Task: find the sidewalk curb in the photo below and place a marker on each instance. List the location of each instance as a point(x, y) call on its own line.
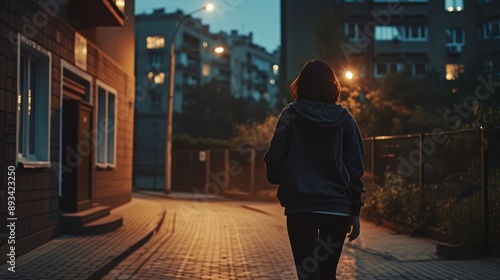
point(107, 267)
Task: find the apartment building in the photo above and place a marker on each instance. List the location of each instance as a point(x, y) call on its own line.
point(244, 68)
point(442, 38)
point(66, 112)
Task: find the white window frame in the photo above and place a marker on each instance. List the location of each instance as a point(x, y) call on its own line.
point(42, 157)
point(109, 90)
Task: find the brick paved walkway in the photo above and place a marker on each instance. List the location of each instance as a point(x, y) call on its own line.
point(246, 240)
point(84, 257)
point(224, 239)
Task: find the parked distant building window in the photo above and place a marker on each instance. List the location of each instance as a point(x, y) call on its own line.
point(155, 42)
point(205, 70)
point(155, 59)
point(155, 97)
point(453, 71)
point(354, 1)
point(353, 32)
point(419, 69)
point(454, 5)
point(106, 126)
point(455, 37)
point(415, 32)
point(384, 68)
point(33, 104)
point(493, 67)
point(490, 30)
point(397, 1)
point(387, 33)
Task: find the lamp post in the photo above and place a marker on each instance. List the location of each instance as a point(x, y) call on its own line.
point(170, 100)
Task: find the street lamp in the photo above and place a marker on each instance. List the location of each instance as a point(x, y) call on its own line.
point(349, 75)
point(170, 100)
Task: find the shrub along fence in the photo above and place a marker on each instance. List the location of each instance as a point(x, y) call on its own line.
point(444, 183)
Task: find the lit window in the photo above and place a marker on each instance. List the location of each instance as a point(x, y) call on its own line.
point(33, 104)
point(454, 5)
point(155, 42)
point(386, 33)
point(453, 71)
point(156, 78)
point(121, 5)
point(205, 70)
point(106, 126)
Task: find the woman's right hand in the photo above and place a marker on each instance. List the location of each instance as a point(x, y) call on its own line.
point(355, 228)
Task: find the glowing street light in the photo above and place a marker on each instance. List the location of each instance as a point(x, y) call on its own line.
point(209, 7)
point(219, 50)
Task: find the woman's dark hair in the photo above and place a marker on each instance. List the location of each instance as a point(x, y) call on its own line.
point(316, 82)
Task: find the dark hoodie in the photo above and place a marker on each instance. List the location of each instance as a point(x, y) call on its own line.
point(316, 157)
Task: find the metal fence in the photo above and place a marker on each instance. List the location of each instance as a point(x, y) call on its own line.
point(447, 181)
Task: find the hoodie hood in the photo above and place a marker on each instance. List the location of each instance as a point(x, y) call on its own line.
point(319, 113)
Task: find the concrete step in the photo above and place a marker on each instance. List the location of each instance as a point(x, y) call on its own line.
point(103, 225)
point(73, 223)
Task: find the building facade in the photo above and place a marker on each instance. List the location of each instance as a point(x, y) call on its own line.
point(244, 68)
point(442, 37)
point(66, 94)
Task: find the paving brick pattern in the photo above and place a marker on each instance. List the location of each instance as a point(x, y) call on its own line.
point(230, 240)
point(223, 240)
point(80, 257)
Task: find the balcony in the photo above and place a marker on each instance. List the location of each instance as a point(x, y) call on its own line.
point(93, 13)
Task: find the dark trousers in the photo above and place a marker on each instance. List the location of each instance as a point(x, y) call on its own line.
point(317, 241)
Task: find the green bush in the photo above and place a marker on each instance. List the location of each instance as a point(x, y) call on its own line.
point(396, 201)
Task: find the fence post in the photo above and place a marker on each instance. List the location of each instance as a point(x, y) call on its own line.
point(485, 189)
point(252, 172)
point(226, 169)
point(421, 173)
point(207, 172)
point(373, 161)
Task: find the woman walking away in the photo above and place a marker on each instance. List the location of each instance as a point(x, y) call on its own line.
point(316, 158)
